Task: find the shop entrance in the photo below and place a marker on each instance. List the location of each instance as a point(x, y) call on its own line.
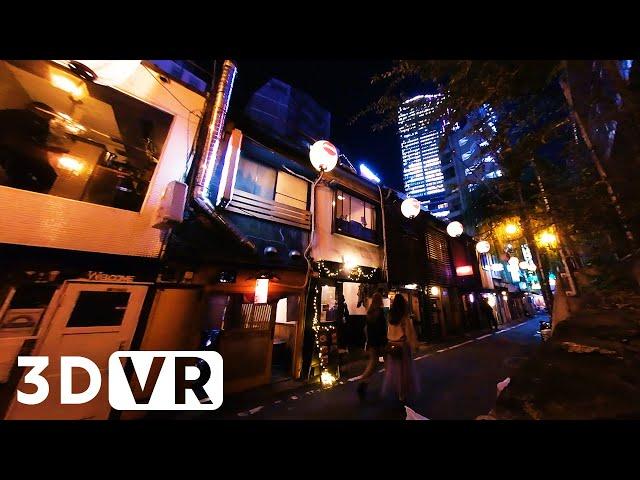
point(284, 337)
point(92, 320)
point(438, 311)
point(356, 299)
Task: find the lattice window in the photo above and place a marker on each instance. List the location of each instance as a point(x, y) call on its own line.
point(438, 256)
point(256, 317)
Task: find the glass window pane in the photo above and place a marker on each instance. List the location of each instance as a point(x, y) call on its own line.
point(291, 190)
point(357, 211)
point(63, 136)
point(99, 309)
point(256, 178)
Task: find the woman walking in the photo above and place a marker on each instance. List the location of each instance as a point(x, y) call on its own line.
point(376, 339)
point(400, 373)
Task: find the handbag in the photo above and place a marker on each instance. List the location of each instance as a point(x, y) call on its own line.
point(394, 349)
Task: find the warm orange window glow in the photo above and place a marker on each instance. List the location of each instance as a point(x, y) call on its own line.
point(464, 270)
point(71, 164)
point(262, 290)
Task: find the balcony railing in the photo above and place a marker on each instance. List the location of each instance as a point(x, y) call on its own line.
point(254, 206)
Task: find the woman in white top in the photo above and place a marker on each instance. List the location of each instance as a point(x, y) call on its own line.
point(400, 373)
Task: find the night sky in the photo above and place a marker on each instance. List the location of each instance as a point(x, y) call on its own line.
point(343, 88)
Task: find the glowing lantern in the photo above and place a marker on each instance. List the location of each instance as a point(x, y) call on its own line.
point(410, 207)
point(323, 155)
point(262, 290)
point(514, 262)
point(483, 246)
point(349, 262)
point(511, 228)
point(455, 229)
point(435, 291)
point(75, 88)
point(547, 239)
point(71, 164)
point(327, 379)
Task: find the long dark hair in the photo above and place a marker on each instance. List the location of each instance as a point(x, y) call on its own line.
point(398, 309)
point(376, 305)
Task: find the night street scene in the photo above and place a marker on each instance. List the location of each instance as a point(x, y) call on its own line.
point(238, 239)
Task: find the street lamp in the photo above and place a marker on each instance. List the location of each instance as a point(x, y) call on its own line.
point(511, 229)
point(547, 239)
point(455, 229)
point(323, 155)
point(410, 207)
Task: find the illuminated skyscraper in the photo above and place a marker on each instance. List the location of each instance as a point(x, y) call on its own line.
point(420, 143)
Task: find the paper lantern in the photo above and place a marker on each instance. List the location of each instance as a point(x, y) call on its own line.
point(455, 229)
point(323, 155)
point(410, 207)
point(483, 246)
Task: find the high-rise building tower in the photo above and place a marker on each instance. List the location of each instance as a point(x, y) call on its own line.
point(466, 161)
point(420, 142)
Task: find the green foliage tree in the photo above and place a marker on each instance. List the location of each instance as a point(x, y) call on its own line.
point(549, 177)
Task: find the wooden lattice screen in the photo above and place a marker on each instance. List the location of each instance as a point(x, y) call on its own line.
point(256, 316)
point(438, 256)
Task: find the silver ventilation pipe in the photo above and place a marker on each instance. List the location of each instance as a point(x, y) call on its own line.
point(209, 153)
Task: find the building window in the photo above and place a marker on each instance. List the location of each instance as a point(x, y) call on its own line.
point(63, 136)
point(268, 183)
point(355, 217)
point(438, 256)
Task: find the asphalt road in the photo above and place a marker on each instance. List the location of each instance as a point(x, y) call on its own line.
point(457, 383)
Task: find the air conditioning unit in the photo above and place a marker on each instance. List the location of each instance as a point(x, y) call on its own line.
point(172, 204)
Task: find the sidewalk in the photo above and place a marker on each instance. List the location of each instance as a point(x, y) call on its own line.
point(589, 369)
point(238, 404)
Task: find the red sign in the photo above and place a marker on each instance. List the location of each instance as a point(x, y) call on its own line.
point(464, 270)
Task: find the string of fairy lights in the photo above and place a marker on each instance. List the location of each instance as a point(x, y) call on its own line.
point(326, 377)
point(356, 273)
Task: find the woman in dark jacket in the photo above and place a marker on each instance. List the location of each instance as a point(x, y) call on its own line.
point(376, 330)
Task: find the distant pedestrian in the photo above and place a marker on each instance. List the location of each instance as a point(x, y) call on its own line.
point(488, 314)
point(342, 319)
point(376, 328)
point(400, 371)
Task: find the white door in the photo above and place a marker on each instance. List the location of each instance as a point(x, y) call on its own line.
point(93, 320)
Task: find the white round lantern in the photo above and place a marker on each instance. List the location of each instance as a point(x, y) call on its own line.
point(514, 262)
point(532, 267)
point(455, 229)
point(483, 246)
point(323, 155)
point(410, 207)
point(524, 265)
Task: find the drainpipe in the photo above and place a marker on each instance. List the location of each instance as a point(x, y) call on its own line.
point(384, 238)
point(207, 156)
